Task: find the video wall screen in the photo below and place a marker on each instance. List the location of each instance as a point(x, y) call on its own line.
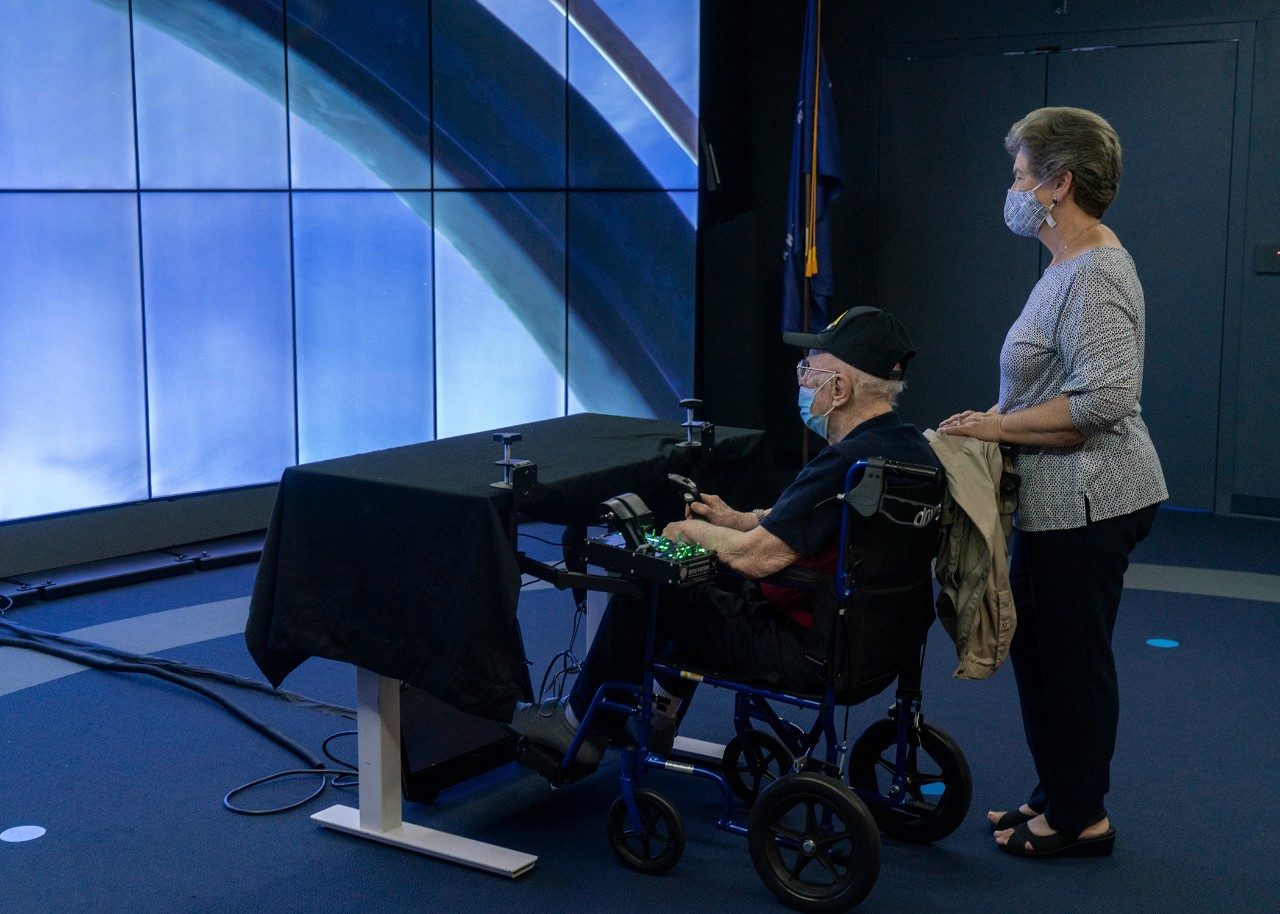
point(236, 235)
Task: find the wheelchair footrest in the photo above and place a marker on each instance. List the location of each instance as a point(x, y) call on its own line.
point(548, 762)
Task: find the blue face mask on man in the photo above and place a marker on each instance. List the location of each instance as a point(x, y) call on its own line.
point(816, 424)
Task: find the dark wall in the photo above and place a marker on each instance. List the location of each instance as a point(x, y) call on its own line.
point(880, 258)
point(750, 67)
point(1255, 394)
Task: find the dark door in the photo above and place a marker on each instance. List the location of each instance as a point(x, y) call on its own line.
point(958, 278)
point(946, 263)
point(1173, 106)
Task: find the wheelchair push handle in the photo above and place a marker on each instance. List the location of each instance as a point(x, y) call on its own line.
point(916, 470)
point(877, 468)
point(866, 489)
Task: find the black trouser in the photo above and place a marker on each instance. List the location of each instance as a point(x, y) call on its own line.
point(1066, 589)
point(735, 633)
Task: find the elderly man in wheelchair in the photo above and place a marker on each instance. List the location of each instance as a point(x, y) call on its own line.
point(832, 605)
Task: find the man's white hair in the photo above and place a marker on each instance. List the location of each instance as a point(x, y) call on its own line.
point(868, 386)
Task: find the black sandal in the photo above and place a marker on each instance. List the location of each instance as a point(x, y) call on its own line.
point(1011, 820)
point(1058, 845)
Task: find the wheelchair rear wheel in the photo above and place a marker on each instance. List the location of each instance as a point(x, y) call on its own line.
point(657, 844)
point(752, 761)
point(814, 843)
point(938, 783)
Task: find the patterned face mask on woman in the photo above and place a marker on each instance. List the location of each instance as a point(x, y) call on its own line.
point(816, 424)
point(1024, 214)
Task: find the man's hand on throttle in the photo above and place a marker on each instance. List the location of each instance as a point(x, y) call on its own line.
point(713, 510)
point(677, 531)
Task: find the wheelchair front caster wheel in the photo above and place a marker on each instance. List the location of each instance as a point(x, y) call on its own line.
point(937, 789)
point(814, 843)
point(655, 845)
point(752, 761)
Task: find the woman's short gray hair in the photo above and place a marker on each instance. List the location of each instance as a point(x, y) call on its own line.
point(870, 387)
point(1058, 140)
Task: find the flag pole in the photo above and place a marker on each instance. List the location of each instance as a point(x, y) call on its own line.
point(804, 429)
point(811, 204)
point(811, 223)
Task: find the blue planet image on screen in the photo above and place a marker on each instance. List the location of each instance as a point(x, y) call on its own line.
point(491, 209)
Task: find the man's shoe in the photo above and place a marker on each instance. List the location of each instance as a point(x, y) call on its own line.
point(547, 725)
point(662, 734)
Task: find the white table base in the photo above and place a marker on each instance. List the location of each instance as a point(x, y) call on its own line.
point(379, 816)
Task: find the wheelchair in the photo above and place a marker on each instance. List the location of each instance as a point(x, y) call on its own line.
point(812, 808)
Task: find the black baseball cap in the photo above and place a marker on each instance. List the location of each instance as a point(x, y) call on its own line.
point(867, 338)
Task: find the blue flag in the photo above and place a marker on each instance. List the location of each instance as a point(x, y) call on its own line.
point(814, 182)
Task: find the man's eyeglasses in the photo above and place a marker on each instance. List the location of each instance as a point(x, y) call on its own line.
point(810, 375)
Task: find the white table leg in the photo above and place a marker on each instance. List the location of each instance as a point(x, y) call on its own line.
point(378, 750)
point(379, 815)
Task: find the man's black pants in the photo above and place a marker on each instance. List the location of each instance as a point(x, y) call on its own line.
point(735, 633)
point(1066, 588)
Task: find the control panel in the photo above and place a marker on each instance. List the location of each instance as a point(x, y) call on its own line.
point(656, 558)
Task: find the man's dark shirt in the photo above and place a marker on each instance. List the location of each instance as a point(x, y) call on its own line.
point(807, 515)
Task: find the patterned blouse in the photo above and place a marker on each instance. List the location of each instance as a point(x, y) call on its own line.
point(1081, 333)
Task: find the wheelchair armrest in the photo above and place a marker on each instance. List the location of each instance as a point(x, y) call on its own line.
point(564, 579)
point(793, 576)
point(798, 578)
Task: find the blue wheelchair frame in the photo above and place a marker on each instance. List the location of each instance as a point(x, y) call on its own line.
point(752, 704)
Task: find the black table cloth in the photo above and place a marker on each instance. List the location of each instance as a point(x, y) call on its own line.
point(399, 561)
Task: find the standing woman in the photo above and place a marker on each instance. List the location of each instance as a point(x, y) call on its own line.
point(1070, 381)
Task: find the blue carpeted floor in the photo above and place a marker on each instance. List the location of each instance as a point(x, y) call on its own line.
point(127, 774)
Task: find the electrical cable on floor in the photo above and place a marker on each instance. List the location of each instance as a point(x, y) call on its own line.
point(324, 747)
point(176, 666)
point(100, 657)
point(538, 538)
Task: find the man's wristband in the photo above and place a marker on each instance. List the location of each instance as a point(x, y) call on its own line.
point(759, 513)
